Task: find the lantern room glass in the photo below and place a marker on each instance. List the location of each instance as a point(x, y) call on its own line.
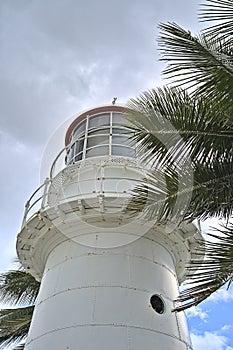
point(104, 134)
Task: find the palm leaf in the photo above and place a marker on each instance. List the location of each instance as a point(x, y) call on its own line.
point(20, 347)
point(153, 196)
point(170, 125)
point(14, 325)
point(212, 193)
point(170, 195)
point(180, 138)
point(220, 11)
point(18, 287)
point(200, 63)
point(208, 275)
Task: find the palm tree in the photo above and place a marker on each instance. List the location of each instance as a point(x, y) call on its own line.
point(198, 111)
point(17, 288)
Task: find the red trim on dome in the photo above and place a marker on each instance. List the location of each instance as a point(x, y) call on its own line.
point(93, 111)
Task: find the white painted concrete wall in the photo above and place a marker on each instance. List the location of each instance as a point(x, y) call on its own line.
point(99, 299)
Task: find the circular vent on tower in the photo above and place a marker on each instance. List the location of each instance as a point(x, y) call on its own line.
point(157, 304)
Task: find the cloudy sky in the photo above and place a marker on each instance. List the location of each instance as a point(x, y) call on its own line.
point(59, 57)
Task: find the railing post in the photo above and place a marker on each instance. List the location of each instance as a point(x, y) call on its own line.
point(27, 205)
point(44, 196)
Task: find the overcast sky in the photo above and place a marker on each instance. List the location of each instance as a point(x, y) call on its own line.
point(59, 57)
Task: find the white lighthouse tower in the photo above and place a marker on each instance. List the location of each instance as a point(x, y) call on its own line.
point(108, 281)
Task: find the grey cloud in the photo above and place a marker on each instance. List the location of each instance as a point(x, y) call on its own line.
point(57, 54)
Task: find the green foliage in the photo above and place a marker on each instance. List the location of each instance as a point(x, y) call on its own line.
point(185, 140)
point(221, 12)
point(214, 273)
point(14, 325)
point(16, 288)
point(202, 64)
point(170, 123)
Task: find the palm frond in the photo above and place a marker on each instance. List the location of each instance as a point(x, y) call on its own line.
point(170, 194)
point(151, 196)
point(14, 325)
point(198, 63)
point(18, 287)
point(212, 194)
point(187, 143)
point(170, 126)
point(20, 347)
point(221, 12)
point(208, 275)
point(163, 196)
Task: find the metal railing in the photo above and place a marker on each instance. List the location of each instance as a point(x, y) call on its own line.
point(40, 200)
point(40, 197)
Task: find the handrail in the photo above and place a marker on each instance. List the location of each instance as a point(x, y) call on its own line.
point(54, 162)
point(45, 184)
point(29, 206)
point(42, 185)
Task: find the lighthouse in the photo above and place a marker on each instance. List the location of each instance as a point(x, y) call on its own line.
point(108, 280)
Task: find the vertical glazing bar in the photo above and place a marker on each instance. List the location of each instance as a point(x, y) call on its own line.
point(85, 138)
